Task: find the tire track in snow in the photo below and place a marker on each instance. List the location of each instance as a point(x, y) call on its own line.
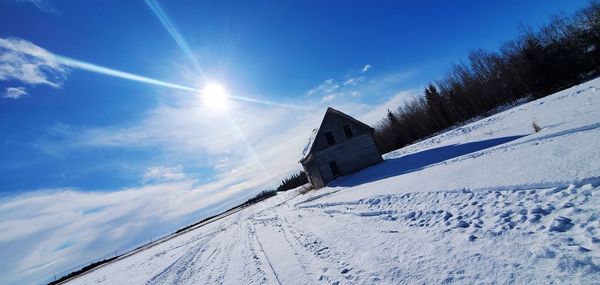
point(264, 254)
point(218, 266)
point(254, 264)
point(330, 262)
point(184, 268)
point(319, 262)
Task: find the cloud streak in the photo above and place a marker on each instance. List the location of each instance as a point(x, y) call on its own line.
point(358, 84)
point(23, 61)
point(164, 174)
point(97, 223)
point(41, 236)
point(365, 68)
point(43, 5)
point(28, 63)
point(14, 93)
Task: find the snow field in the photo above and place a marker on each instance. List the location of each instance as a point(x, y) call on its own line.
point(489, 202)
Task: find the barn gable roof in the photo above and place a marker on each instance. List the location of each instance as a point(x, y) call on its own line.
point(331, 111)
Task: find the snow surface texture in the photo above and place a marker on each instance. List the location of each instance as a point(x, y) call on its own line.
point(489, 202)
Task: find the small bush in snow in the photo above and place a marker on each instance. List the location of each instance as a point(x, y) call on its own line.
point(535, 126)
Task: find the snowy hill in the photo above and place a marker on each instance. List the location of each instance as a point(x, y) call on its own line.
point(489, 202)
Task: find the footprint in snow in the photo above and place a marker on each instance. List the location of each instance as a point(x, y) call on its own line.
point(462, 224)
point(561, 224)
point(447, 216)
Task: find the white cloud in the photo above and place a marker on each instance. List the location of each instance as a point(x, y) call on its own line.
point(356, 85)
point(14, 92)
point(164, 174)
point(28, 63)
point(365, 68)
point(36, 226)
point(331, 89)
point(326, 87)
point(354, 80)
point(328, 98)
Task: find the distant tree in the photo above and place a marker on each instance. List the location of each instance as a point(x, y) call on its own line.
point(436, 107)
point(259, 197)
point(293, 181)
point(391, 119)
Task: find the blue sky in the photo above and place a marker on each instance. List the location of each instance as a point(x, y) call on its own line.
point(84, 152)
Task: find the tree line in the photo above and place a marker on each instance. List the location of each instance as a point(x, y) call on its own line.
point(539, 62)
point(293, 181)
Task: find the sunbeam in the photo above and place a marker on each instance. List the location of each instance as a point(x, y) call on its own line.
point(213, 94)
point(166, 22)
point(120, 74)
point(74, 63)
point(134, 77)
point(185, 48)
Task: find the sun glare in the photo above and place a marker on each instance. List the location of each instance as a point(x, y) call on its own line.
point(215, 96)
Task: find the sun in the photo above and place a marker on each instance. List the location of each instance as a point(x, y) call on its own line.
point(215, 96)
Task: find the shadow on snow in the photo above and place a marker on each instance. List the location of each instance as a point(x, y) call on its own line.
point(416, 161)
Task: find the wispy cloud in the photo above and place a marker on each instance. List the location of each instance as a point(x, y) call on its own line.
point(164, 174)
point(326, 87)
point(93, 224)
point(354, 80)
point(23, 61)
point(328, 98)
point(357, 84)
point(43, 5)
point(365, 68)
point(97, 223)
point(14, 93)
point(31, 64)
point(28, 63)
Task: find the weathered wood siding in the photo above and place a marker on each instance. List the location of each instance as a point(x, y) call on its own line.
point(353, 155)
point(335, 124)
point(314, 174)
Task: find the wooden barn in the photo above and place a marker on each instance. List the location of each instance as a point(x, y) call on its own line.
point(340, 146)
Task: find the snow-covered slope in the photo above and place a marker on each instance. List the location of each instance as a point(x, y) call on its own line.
point(490, 202)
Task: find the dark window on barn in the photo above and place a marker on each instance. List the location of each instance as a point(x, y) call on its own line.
point(334, 168)
point(329, 138)
point(348, 131)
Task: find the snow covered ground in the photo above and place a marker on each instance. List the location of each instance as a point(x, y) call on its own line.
point(489, 202)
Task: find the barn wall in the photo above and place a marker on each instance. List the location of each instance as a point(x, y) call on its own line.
point(314, 175)
point(335, 123)
point(353, 155)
